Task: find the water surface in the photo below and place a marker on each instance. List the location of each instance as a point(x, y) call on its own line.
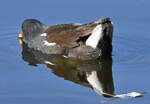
point(29, 80)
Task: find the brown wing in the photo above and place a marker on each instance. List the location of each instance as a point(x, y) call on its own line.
point(66, 35)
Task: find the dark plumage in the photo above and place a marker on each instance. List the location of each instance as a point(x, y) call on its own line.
point(70, 39)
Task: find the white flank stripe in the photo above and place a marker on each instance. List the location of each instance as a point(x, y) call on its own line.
point(44, 34)
point(95, 37)
point(65, 56)
point(49, 44)
point(48, 62)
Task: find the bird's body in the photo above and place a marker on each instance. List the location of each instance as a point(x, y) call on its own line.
point(86, 41)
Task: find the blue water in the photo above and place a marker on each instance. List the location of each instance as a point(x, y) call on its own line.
point(21, 83)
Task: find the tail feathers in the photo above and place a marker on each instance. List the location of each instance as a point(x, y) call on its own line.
point(88, 28)
point(101, 21)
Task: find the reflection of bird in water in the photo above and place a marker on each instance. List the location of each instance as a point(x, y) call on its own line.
point(96, 74)
point(75, 70)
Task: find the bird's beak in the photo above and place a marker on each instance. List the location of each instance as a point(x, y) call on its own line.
point(21, 42)
point(21, 35)
point(21, 38)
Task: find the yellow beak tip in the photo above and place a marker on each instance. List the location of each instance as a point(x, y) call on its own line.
point(20, 36)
